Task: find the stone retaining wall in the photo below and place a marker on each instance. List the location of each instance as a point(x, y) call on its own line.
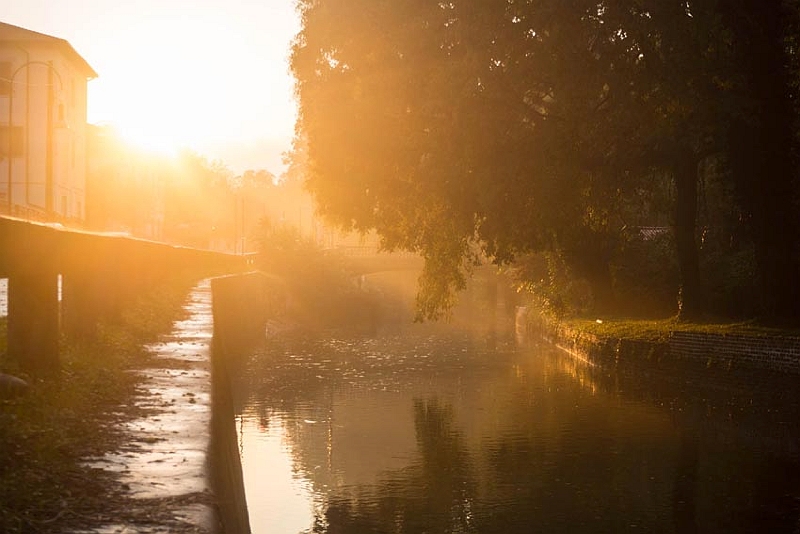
point(606, 352)
point(780, 354)
point(721, 351)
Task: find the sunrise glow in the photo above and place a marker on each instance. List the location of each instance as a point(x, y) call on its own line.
point(188, 90)
point(216, 81)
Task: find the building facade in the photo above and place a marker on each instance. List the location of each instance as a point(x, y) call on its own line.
point(43, 131)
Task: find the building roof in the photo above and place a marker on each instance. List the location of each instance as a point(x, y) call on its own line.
point(16, 35)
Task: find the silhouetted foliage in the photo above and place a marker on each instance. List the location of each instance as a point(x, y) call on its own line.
point(465, 130)
point(321, 290)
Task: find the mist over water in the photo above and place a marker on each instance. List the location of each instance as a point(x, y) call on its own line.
point(449, 428)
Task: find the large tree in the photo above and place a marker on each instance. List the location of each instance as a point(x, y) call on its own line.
point(457, 129)
point(462, 129)
point(762, 139)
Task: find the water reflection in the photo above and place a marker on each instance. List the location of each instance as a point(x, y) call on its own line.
point(268, 451)
point(447, 431)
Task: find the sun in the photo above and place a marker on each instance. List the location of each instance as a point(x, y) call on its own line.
point(217, 83)
point(182, 88)
point(143, 138)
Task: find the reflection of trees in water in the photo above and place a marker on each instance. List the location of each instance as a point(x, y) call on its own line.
point(736, 464)
point(684, 509)
point(522, 481)
point(436, 494)
point(531, 479)
point(448, 486)
point(562, 469)
point(559, 447)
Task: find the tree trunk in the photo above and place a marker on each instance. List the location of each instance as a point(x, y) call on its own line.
point(761, 152)
point(690, 301)
point(590, 258)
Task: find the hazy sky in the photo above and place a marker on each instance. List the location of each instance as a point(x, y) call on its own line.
point(208, 74)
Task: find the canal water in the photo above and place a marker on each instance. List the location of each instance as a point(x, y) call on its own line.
point(452, 430)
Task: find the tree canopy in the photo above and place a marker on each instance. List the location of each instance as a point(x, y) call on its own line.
point(466, 130)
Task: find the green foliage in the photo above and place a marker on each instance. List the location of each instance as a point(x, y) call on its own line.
point(646, 274)
point(656, 331)
point(321, 290)
point(643, 275)
point(730, 277)
point(537, 127)
point(554, 287)
point(443, 276)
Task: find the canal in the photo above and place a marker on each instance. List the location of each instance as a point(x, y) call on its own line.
point(450, 429)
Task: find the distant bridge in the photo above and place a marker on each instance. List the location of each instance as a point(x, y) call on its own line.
point(368, 260)
point(99, 274)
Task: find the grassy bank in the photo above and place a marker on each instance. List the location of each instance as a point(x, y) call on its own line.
point(45, 435)
point(658, 330)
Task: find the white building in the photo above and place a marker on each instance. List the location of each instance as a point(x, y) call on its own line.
point(42, 126)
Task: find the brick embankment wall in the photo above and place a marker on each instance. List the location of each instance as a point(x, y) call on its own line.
point(781, 354)
point(595, 350)
point(719, 351)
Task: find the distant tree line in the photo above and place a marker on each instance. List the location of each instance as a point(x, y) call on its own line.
point(184, 198)
point(617, 155)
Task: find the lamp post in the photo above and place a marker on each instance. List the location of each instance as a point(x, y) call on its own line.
point(10, 145)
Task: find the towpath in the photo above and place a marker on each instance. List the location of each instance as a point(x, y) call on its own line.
point(162, 462)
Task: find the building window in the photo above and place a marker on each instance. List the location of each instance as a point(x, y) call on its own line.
point(5, 78)
point(16, 140)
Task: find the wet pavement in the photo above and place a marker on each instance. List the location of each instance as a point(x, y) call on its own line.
point(163, 464)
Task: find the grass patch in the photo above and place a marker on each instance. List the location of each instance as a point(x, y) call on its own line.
point(46, 434)
point(658, 330)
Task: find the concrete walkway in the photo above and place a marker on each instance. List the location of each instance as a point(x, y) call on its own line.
point(163, 464)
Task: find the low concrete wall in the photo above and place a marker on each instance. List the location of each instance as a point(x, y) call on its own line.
point(101, 273)
point(224, 461)
point(241, 306)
